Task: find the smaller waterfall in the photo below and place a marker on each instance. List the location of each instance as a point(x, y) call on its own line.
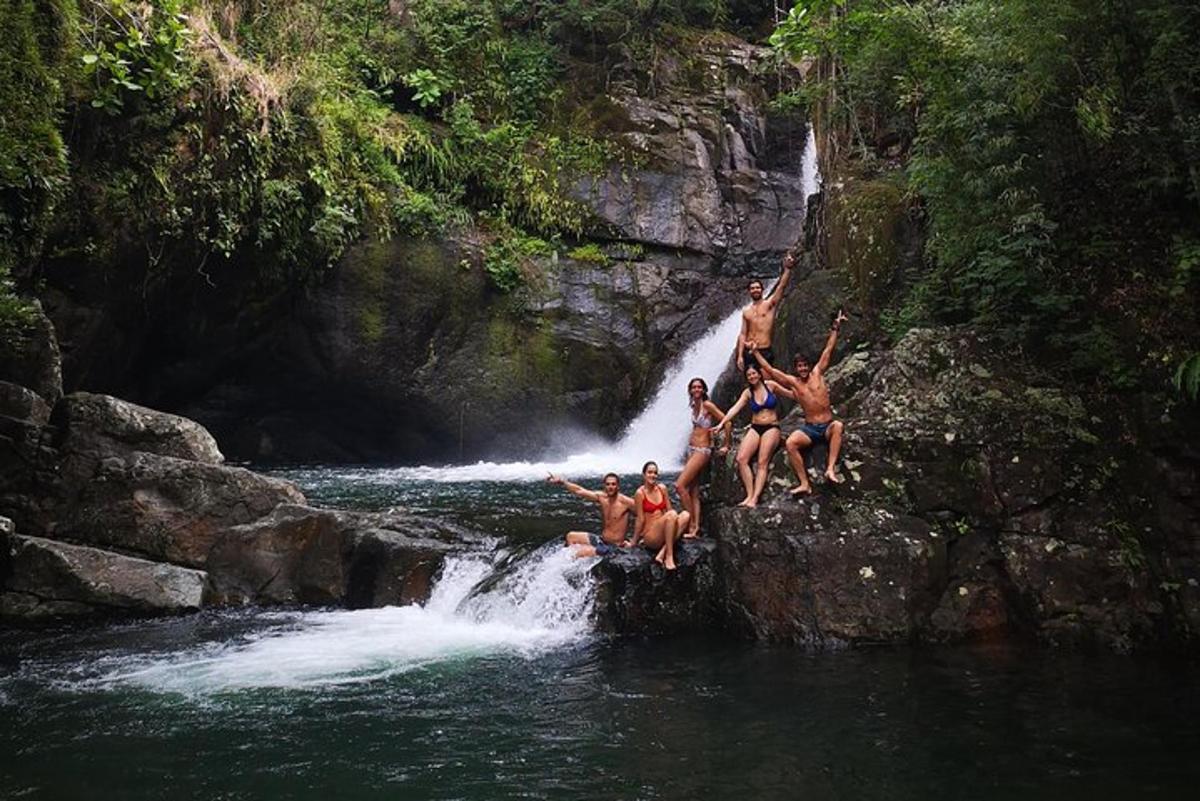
point(810, 171)
point(542, 602)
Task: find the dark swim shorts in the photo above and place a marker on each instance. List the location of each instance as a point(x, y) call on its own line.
point(815, 431)
point(602, 547)
point(767, 353)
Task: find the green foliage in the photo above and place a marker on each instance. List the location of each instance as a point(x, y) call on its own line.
point(1187, 376)
point(176, 137)
point(427, 86)
point(589, 252)
point(1055, 150)
point(34, 63)
point(507, 258)
point(135, 50)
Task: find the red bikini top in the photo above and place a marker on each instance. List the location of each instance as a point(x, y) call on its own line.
point(648, 507)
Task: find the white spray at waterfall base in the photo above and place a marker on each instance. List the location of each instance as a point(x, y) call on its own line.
point(543, 602)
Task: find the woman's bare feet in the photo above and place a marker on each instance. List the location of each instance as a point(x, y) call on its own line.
point(832, 476)
point(691, 534)
point(746, 502)
point(801, 489)
point(661, 555)
point(669, 564)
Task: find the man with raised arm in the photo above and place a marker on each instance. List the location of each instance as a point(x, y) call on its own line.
point(812, 393)
point(758, 319)
point(614, 512)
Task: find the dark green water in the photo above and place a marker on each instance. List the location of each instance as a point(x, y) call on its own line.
point(512, 698)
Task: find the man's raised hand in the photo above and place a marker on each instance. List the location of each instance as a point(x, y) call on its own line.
point(789, 260)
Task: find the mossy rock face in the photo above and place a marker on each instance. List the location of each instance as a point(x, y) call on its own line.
point(864, 223)
point(981, 502)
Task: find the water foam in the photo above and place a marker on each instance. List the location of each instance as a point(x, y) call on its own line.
point(542, 603)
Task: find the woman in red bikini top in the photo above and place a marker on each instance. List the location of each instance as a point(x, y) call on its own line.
point(658, 526)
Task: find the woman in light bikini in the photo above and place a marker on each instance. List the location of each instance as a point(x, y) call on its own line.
point(763, 437)
point(699, 451)
point(658, 526)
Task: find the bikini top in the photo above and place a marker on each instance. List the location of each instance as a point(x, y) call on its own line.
point(648, 507)
point(768, 403)
point(702, 420)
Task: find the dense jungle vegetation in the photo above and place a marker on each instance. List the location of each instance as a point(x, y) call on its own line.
point(179, 133)
point(1054, 150)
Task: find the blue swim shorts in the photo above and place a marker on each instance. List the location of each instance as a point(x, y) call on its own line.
point(602, 547)
point(815, 431)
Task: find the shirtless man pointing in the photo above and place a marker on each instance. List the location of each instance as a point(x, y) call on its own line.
point(758, 319)
point(614, 511)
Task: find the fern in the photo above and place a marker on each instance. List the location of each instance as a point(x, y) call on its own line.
point(1187, 377)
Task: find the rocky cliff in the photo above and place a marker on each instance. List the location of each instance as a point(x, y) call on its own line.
point(982, 502)
point(407, 351)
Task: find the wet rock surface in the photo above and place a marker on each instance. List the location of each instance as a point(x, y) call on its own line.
point(636, 595)
point(45, 579)
point(89, 422)
point(117, 509)
point(978, 505)
point(1016, 517)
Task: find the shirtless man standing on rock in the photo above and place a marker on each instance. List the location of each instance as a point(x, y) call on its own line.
point(758, 319)
point(812, 393)
point(614, 511)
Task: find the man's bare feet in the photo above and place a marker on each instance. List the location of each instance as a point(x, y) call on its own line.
point(801, 489)
point(832, 476)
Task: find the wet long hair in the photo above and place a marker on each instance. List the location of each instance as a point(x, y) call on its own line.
point(703, 385)
point(646, 466)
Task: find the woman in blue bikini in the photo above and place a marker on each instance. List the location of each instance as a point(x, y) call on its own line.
point(699, 451)
point(763, 436)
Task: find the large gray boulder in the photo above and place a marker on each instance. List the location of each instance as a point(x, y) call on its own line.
point(979, 504)
point(302, 555)
point(810, 575)
point(160, 507)
point(636, 595)
point(41, 579)
point(90, 422)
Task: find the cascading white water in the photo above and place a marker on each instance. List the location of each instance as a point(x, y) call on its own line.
point(544, 602)
point(660, 432)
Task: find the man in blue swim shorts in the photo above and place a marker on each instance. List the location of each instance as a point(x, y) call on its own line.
point(812, 393)
point(614, 512)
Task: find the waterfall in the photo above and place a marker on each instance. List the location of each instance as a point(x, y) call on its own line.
point(660, 432)
point(542, 602)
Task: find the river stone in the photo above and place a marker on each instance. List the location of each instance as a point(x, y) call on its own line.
point(106, 424)
point(636, 595)
point(161, 507)
point(809, 576)
point(302, 555)
point(43, 578)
